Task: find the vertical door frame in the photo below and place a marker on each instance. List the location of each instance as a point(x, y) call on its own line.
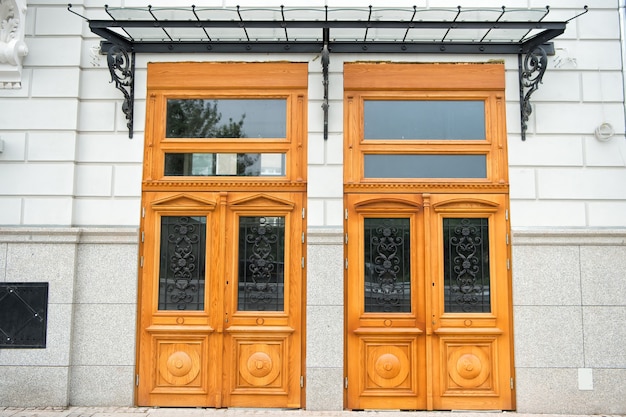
point(225, 80)
point(387, 81)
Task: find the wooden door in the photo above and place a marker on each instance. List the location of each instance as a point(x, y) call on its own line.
point(221, 300)
point(222, 267)
point(428, 302)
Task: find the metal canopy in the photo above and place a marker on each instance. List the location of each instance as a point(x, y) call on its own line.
point(324, 30)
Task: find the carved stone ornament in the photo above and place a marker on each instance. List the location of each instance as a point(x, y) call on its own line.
point(12, 46)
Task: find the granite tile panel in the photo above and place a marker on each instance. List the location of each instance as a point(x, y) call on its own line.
point(603, 269)
point(34, 386)
point(106, 274)
point(605, 337)
point(548, 336)
point(325, 274)
point(102, 385)
point(546, 275)
point(52, 263)
point(324, 336)
point(104, 334)
point(555, 390)
point(324, 389)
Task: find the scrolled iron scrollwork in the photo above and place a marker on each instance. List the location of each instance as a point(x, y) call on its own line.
point(261, 265)
point(531, 74)
point(387, 291)
point(183, 263)
point(122, 69)
point(466, 243)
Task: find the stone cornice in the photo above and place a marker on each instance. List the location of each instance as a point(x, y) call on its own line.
point(569, 237)
point(69, 235)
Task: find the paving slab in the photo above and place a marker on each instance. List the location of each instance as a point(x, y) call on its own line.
point(248, 412)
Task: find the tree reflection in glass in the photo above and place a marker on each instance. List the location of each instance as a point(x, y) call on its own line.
point(197, 118)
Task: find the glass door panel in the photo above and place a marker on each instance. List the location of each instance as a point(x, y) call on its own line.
point(182, 263)
point(466, 265)
point(387, 265)
point(261, 263)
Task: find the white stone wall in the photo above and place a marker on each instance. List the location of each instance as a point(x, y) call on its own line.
point(70, 202)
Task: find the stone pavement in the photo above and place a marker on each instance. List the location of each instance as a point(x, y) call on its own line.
point(243, 412)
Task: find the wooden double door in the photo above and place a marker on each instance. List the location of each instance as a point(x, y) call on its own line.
point(221, 299)
point(428, 316)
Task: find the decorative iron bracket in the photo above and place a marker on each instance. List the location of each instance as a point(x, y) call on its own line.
point(325, 62)
point(531, 70)
point(122, 69)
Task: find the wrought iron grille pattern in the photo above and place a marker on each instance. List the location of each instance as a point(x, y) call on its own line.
point(23, 315)
point(466, 265)
point(261, 264)
point(182, 263)
point(387, 265)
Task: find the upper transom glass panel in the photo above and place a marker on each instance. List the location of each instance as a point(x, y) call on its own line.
point(424, 119)
point(226, 118)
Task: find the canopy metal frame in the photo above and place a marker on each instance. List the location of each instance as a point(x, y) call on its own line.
point(532, 48)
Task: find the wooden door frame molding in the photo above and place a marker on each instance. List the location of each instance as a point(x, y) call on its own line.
point(226, 197)
point(431, 199)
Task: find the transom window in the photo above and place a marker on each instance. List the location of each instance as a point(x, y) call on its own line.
point(424, 124)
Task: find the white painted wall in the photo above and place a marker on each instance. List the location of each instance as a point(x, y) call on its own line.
point(71, 163)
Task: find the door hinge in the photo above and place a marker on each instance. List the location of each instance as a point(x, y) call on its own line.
point(141, 261)
point(143, 236)
point(345, 382)
point(346, 214)
point(508, 264)
point(143, 212)
point(346, 263)
point(346, 238)
point(506, 214)
point(512, 384)
point(302, 237)
point(303, 212)
point(507, 238)
point(302, 262)
point(137, 380)
point(301, 381)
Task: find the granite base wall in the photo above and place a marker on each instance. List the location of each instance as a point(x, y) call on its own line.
point(569, 306)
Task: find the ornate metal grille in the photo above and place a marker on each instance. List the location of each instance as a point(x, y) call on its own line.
point(23, 315)
point(387, 265)
point(466, 265)
point(261, 264)
point(182, 263)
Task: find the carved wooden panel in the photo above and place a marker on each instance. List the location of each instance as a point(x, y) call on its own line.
point(390, 365)
point(469, 366)
point(260, 364)
point(180, 363)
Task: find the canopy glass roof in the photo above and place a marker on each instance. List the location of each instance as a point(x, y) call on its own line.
point(355, 29)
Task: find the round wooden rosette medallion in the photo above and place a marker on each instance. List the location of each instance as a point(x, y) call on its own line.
point(469, 367)
point(179, 365)
point(388, 366)
point(259, 364)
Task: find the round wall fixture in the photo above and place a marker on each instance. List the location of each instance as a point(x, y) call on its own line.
point(604, 132)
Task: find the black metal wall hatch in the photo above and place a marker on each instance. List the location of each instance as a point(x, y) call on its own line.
point(393, 30)
point(23, 314)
